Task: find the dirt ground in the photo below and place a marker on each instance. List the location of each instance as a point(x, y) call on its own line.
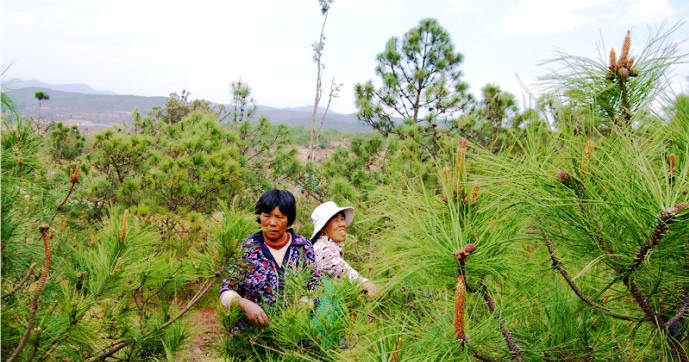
point(206, 337)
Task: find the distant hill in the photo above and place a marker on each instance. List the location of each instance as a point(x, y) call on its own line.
point(301, 116)
point(69, 88)
point(79, 103)
point(68, 106)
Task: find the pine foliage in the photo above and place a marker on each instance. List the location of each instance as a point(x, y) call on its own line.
point(561, 239)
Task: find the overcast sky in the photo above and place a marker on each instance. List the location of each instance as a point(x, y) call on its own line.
point(154, 48)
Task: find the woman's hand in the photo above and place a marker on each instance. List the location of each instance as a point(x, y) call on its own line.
point(254, 312)
point(306, 302)
point(370, 288)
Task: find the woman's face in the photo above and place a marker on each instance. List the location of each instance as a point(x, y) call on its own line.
point(336, 228)
point(273, 225)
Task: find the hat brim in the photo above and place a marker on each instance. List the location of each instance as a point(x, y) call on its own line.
point(349, 217)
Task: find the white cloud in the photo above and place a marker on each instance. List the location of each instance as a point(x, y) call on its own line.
point(545, 17)
point(463, 6)
point(383, 8)
point(154, 48)
point(645, 11)
point(19, 18)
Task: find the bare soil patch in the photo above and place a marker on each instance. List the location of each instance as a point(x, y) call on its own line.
point(206, 336)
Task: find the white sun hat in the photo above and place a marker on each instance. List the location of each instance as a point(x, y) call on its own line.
point(322, 214)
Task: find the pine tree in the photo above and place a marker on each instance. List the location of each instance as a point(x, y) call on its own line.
point(420, 83)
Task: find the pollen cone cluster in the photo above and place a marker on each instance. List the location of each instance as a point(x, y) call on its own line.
point(460, 300)
point(624, 65)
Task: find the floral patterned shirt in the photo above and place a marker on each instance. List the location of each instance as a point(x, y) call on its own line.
point(257, 276)
point(330, 260)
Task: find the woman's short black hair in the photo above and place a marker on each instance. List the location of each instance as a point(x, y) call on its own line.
point(278, 198)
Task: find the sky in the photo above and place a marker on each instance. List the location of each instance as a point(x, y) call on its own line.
point(155, 48)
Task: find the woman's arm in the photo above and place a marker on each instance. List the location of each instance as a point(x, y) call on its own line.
point(235, 272)
point(233, 288)
point(254, 313)
point(329, 260)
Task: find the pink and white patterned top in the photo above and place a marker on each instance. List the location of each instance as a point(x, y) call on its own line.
point(330, 260)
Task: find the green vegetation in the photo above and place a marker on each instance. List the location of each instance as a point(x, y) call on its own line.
point(550, 234)
point(421, 84)
point(9, 108)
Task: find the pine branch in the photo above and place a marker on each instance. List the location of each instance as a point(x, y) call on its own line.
point(673, 323)
point(483, 358)
point(507, 335)
point(461, 256)
point(643, 303)
point(680, 314)
point(557, 264)
point(578, 188)
point(118, 345)
point(680, 350)
point(39, 289)
point(516, 351)
point(120, 175)
point(74, 178)
point(21, 282)
point(663, 223)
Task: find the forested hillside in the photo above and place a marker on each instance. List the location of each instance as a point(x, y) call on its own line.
point(557, 233)
point(106, 110)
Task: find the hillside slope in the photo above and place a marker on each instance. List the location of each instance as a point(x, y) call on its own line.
point(109, 109)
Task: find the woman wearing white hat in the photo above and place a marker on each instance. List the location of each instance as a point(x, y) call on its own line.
point(330, 224)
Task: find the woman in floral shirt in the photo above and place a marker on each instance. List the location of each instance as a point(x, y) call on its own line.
point(256, 279)
point(330, 224)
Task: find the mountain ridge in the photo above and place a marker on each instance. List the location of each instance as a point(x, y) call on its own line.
point(79, 103)
point(17, 83)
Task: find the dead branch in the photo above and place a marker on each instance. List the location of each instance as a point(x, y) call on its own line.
point(21, 282)
point(39, 289)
